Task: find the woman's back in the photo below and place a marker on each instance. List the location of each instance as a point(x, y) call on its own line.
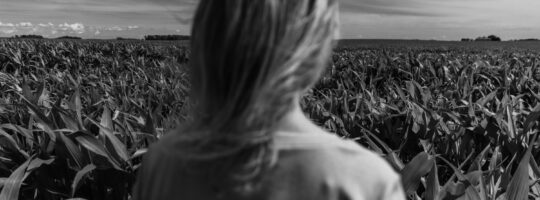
point(251, 62)
point(308, 166)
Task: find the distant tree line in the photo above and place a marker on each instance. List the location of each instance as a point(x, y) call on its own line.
point(122, 38)
point(167, 37)
point(69, 37)
point(29, 36)
point(483, 38)
point(41, 37)
point(528, 39)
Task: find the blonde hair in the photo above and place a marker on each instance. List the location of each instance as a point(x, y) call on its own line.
point(250, 59)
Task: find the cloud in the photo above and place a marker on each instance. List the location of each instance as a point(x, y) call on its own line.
point(76, 27)
point(42, 28)
point(389, 7)
point(50, 24)
point(8, 31)
point(52, 30)
point(114, 28)
point(24, 24)
point(6, 24)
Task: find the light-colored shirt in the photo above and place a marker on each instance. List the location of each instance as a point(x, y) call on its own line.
point(309, 166)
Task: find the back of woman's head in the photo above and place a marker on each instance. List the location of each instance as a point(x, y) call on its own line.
point(252, 56)
point(250, 61)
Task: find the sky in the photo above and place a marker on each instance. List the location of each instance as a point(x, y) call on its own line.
point(362, 19)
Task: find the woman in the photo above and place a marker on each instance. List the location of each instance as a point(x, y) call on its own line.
point(251, 62)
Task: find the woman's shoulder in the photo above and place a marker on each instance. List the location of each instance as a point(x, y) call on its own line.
point(333, 151)
point(347, 166)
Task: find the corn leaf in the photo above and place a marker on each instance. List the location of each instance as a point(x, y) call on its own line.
point(119, 148)
point(72, 150)
point(419, 166)
point(91, 143)
point(432, 184)
point(518, 188)
point(79, 176)
point(12, 185)
point(38, 162)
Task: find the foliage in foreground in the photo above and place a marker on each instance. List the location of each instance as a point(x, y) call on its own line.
point(75, 117)
point(457, 124)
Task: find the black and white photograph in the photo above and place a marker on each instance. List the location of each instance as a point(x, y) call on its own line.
point(269, 100)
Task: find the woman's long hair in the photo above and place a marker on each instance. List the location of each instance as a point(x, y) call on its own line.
point(250, 60)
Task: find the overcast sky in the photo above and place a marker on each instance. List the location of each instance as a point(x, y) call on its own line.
point(370, 19)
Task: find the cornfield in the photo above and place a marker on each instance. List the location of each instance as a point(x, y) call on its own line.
point(457, 123)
